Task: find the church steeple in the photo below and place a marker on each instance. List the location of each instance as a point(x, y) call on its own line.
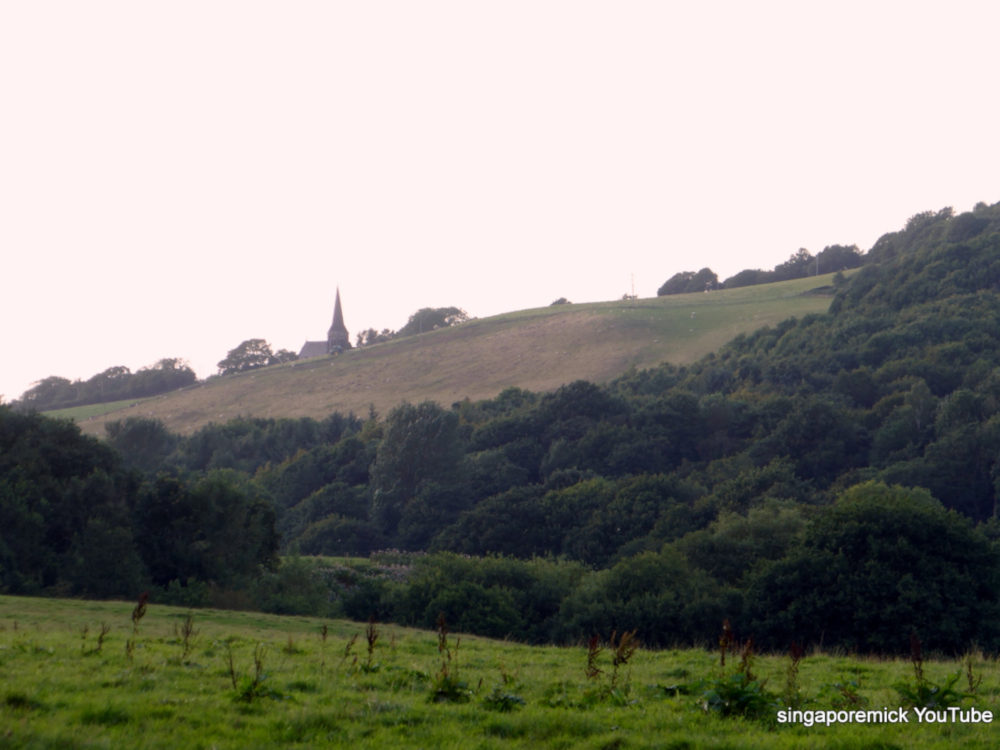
point(337, 335)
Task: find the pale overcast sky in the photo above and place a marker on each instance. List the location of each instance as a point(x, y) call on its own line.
point(178, 177)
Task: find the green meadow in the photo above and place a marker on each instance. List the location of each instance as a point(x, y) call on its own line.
point(79, 674)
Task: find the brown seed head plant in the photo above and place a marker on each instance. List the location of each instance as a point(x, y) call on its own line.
point(726, 640)
point(371, 636)
point(105, 629)
point(186, 635)
point(231, 663)
point(350, 647)
point(793, 697)
point(594, 650)
point(917, 657)
point(747, 658)
point(970, 675)
point(621, 653)
point(447, 687)
point(139, 611)
point(506, 676)
point(323, 632)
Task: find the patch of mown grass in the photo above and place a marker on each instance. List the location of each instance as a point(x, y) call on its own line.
point(56, 694)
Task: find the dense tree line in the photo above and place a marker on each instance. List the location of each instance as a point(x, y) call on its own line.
point(120, 383)
point(801, 264)
point(73, 520)
point(833, 478)
point(114, 384)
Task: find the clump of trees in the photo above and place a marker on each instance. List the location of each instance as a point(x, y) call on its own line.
point(371, 336)
point(801, 264)
point(113, 384)
point(74, 520)
point(687, 282)
point(431, 318)
point(253, 354)
point(423, 320)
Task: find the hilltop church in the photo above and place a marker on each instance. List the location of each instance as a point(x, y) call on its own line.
point(337, 338)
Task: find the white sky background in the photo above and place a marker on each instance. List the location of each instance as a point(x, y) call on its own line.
point(178, 177)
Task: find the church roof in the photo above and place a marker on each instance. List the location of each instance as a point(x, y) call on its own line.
point(312, 349)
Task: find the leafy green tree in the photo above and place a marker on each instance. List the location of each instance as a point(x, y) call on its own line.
point(46, 393)
point(251, 355)
point(879, 563)
point(52, 480)
point(334, 499)
point(967, 226)
point(165, 375)
point(337, 535)
point(735, 542)
point(27, 562)
point(142, 443)
point(502, 595)
point(113, 384)
point(511, 523)
point(657, 594)
point(248, 444)
point(469, 607)
point(859, 386)
point(211, 531)
point(371, 336)
point(166, 521)
point(491, 473)
point(798, 266)
point(687, 282)
point(104, 561)
point(825, 439)
point(420, 446)
point(748, 277)
point(238, 531)
point(839, 258)
point(431, 318)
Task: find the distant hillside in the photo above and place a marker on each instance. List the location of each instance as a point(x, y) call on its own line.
point(800, 481)
point(538, 349)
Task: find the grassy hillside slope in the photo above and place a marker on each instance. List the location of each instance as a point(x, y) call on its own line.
point(538, 349)
point(80, 413)
point(63, 689)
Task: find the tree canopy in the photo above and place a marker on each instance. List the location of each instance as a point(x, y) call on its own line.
point(113, 384)
point(431, 318)
point(251, 355)
point(687, 282)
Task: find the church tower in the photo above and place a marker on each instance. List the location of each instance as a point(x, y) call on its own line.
point(337, 335)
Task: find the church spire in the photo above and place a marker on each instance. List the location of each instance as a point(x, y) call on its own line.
point(338, 335)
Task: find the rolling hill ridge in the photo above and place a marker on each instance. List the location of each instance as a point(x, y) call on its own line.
point(538, 349)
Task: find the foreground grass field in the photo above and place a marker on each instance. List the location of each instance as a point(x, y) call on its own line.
point(63, 685)
point(537, 349)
